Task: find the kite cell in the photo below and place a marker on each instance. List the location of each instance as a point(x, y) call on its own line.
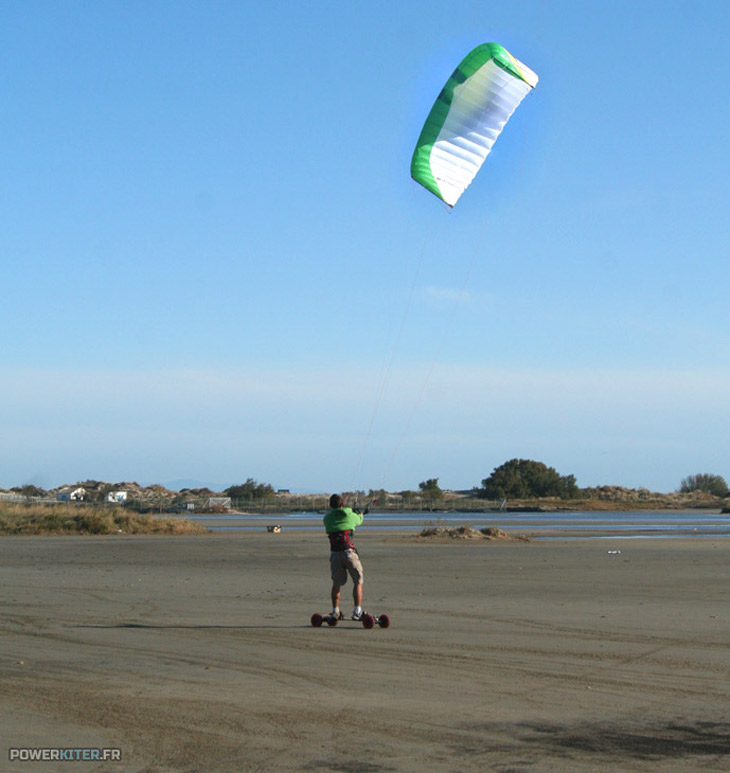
point(466, 119)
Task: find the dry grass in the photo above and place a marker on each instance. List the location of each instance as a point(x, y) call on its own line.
point(69, 519)
point(468, 533)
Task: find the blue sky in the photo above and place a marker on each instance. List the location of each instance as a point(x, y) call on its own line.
point(215, 265)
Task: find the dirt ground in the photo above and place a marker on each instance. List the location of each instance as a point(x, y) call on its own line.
point(196, 654)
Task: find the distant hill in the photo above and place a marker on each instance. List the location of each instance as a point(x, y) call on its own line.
point(190, 483)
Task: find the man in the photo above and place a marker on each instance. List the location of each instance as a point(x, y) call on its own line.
point(340, 523)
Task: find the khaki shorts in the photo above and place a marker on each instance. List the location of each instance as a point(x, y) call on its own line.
point(345, 562)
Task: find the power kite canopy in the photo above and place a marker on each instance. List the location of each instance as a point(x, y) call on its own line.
point(466, 119)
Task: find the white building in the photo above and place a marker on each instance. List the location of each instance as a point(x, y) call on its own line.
point(69, 494)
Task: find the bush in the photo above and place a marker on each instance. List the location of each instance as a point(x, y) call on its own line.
point(526, 479)
point(29, 490)
point(250, 490)
point(430, 488)
point(703, 481)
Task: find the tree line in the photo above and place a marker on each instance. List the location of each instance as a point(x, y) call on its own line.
point(528, 479)
point(515, 479)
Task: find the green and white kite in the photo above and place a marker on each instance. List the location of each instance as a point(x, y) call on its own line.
point(466, 119)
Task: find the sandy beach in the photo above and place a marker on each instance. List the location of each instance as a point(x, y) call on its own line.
point(196, 654)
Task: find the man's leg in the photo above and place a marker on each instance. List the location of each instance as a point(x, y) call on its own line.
point(335, 596)
point(339, 576)
point(355, 570)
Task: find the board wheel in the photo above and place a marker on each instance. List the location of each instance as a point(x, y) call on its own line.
point(383, 621)
point(316, 620)
point(368, 621)
point(331, 620)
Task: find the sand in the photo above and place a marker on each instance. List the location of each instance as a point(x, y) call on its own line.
point(196, 654)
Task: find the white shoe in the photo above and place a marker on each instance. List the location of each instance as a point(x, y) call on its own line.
point(357, 615)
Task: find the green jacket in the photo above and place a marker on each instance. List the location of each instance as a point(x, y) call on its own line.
point(341, 519)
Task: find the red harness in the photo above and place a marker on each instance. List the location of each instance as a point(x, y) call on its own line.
point(342, 540)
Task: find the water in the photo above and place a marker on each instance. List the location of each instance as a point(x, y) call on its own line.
point(592, 525)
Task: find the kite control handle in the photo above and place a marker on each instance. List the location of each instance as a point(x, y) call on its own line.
point(367, 506)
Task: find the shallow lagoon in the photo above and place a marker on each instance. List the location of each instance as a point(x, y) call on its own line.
point(557, 525)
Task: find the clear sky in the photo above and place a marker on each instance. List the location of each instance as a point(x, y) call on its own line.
point(215, 264)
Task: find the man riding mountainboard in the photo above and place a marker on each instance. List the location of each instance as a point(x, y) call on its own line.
point(340, 523)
